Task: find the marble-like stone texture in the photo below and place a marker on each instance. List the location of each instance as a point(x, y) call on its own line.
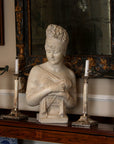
point(52, 85)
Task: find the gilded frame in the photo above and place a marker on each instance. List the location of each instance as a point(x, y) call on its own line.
point(1, 23)
point(101, 66)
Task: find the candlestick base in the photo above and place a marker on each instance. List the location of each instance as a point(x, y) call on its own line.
point(85, 121)
point(15, 115)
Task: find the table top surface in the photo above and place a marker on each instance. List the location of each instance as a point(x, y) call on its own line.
point(32, 123)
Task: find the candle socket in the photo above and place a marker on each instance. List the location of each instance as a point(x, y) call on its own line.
point(15, 113)
point(84, 120)
point(85, 79)
point(16, 76)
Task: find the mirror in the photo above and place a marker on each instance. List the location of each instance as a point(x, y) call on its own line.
point(90, 24)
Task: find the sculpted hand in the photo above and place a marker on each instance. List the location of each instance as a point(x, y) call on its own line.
point(58, 87)
point(65, 95)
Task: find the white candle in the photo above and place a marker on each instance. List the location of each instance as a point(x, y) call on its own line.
point(16, 66)
point(86, 68)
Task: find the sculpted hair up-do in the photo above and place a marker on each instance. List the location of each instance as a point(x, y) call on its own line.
point(57, 32)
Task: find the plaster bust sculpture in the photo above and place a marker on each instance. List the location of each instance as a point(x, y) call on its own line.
point(52, 85)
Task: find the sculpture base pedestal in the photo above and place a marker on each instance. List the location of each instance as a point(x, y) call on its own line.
point(15, 115)
point(86, 122)
point(52, 119)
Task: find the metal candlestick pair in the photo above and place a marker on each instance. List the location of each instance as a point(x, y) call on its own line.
point(84, 120)
point(15, 113)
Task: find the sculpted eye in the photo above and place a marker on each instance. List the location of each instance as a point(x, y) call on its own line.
point(57, 52)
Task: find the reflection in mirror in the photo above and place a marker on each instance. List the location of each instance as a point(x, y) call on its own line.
point(88, 23)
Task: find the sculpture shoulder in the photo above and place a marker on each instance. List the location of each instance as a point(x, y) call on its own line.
point(71, 73)
point(35, 70)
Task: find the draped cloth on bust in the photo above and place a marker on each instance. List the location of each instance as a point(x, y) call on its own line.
point(51, 106)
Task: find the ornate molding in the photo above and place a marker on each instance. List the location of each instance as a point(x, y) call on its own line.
point(99, 66)
point(19, 21)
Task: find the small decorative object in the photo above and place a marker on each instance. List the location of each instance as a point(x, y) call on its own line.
point(52, 84)
point(15, 114)
point(5, 140)
point(84, 120)
point(4, 69)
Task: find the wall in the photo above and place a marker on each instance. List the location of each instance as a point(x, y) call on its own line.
point(8, 51)
point(101, 91)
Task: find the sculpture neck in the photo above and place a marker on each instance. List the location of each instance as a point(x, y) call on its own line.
point(56, 67)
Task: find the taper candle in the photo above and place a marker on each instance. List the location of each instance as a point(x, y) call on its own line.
point(16, 66)
point(86, 68)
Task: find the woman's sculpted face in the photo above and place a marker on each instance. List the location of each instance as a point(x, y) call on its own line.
point(54, 50)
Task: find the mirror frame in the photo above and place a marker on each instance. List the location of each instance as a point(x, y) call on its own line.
point(1, 23)
point(101, 66)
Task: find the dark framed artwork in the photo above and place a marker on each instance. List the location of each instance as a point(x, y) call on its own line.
point(1, 23)
point(95, 32)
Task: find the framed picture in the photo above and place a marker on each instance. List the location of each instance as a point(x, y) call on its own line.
point(1, 23)
point(89, 23)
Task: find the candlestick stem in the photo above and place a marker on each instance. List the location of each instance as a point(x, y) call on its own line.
point(84, 120)
point(85, 93)
point(16, 92)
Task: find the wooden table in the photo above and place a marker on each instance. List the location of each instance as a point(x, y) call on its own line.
point(32, 130)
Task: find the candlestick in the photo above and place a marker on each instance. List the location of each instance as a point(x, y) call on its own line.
point(84, 120)
point(15, 113)
point(16, 65)
point(86, 68)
